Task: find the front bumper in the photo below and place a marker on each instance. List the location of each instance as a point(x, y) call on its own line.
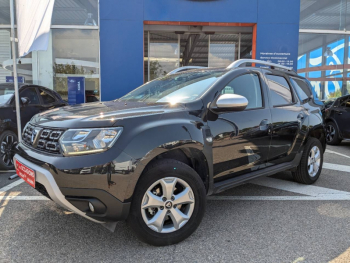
point(75, 199)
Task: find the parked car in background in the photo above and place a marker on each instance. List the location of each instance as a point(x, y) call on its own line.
point(33, 99)
point(337, 119)
point(152, 156)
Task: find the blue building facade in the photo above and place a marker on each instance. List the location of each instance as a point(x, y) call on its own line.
point(144, 39)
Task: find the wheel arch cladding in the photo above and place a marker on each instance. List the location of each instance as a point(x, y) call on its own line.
point(318, 133)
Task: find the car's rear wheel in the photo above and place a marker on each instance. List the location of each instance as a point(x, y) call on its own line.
point(8, 139)
point(168, 204)
point(311, 162)
point(332, 134)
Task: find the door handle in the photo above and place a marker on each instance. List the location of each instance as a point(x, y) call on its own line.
point(264, 125)
point(338, 112)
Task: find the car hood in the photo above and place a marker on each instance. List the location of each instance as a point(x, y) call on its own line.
point(99, 114)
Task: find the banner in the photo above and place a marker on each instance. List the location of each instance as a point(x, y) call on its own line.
point(76, 90)
point(33, 25)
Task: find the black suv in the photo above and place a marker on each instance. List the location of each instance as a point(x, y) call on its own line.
point(153, 156)
point(337, 115)
point(33, 99)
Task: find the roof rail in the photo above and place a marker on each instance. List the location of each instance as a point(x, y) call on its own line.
point(240, 62)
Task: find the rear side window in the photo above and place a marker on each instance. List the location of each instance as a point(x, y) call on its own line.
point(280, 90)
point(247, 85)
point(345, 103)
point(301, 88)
point(47, 98)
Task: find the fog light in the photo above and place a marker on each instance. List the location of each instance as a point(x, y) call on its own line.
point(92, 208)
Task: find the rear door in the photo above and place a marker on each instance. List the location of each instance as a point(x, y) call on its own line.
point(241, 140)
point(289, 118)
point(342, 116)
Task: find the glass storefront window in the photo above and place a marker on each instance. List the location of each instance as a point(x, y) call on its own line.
point(327, 66)
point(76, 54)
point(166, 51)
point(164, 54)
point(223, 50)
point(330, 15)
point(5, 12)
point(72, 12)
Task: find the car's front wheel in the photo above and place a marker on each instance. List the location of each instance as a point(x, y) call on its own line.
point(168, 203)
point(8, 140)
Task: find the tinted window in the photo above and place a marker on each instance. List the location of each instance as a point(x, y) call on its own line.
point(47, 98)
point(31, 94)
point(301, 88)
point(280, 90)
point(345, 102)
point(248, 86)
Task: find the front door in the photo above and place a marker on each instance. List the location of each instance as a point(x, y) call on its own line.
point(241, 140)
point(32, 108)
point(342, 116)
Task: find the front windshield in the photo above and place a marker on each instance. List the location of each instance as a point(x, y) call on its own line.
point(6, 93)
point(328, 103)
point(178, 88)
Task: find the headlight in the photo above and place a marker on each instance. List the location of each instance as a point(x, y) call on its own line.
point(87, 141)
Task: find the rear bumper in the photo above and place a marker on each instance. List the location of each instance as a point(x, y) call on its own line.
point(107, 207)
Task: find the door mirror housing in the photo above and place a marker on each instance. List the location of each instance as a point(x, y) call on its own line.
point(25, 101)
point(231, 102)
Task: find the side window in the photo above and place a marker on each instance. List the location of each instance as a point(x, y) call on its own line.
point(280, 90)
point(345, 103)
point(247, 85)
point(47, 98)
point(31, 94)
point(301, 88)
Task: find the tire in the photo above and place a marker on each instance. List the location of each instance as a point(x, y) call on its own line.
point(332, 134)
point(304, 173)
point(7, 140)
point(188, 184)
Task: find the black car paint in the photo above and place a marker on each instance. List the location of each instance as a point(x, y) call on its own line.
point(190, 132)
point(8, 110)
point(334, 112)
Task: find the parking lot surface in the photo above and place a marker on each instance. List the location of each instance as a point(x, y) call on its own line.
point(270, 219)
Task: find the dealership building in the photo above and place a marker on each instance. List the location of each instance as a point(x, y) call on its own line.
point(115, 46)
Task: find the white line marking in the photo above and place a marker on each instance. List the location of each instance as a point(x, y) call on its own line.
point(10, 186)
point(8, 171)
point(281, 198)
point(336, 167)
point(310, 190)
point(24, 198)
point(328, 151)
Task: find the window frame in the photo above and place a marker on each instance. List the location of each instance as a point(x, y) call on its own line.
point(258, 73)
point(294, 97)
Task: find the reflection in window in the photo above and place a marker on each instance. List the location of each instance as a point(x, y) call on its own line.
point(247, 86)
point(279, 90)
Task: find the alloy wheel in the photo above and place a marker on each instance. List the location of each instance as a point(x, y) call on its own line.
point(6, 153)
point(314, 161)
point(167, 205)
point(330, 130)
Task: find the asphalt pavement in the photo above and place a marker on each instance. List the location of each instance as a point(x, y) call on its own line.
point(270, 219)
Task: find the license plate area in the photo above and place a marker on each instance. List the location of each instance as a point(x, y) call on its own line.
point(27, 174)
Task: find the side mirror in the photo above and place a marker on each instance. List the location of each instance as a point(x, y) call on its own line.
point(232, 102)
point(25, 101)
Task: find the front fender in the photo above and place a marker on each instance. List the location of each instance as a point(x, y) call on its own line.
point(156, 140)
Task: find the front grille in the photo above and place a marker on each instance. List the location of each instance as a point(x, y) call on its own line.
point(42, 139)
point(41, 189)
